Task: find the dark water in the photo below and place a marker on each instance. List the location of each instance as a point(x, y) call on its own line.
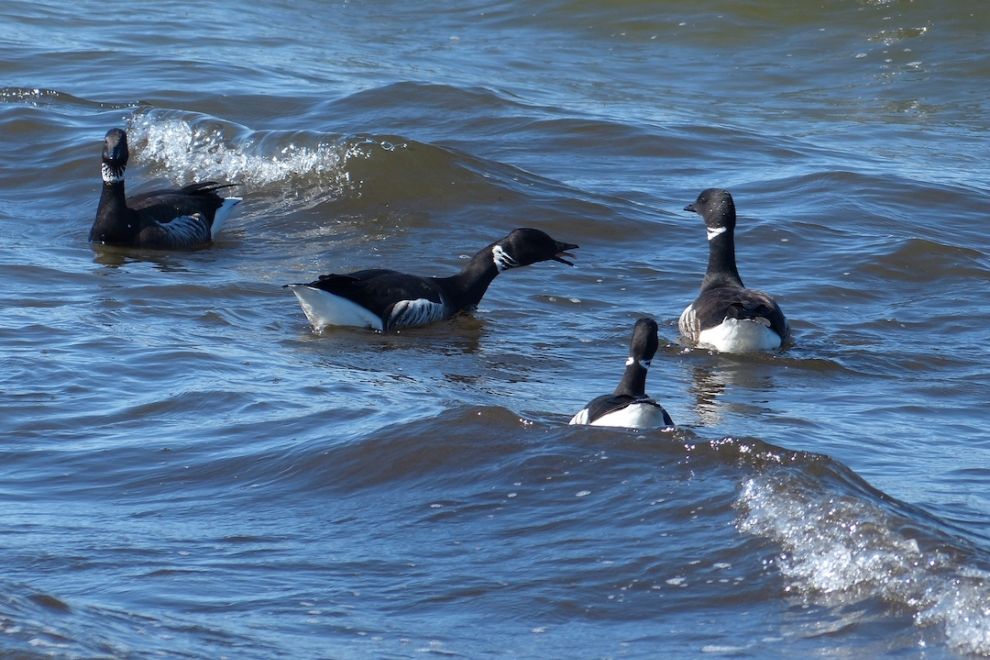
point(187, 470)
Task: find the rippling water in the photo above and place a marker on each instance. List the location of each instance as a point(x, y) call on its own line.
point(188, 470)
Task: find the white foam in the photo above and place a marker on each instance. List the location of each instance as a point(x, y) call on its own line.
point(200, 152)
point(848, 549)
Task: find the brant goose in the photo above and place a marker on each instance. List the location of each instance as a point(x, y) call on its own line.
point(161, 219)
point(726, 316)
point(628, 405)
point(388, 300)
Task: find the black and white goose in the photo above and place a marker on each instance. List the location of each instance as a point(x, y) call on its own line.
point(726, 316)
point(388, 300)
point(629, 405)
point(180, 218)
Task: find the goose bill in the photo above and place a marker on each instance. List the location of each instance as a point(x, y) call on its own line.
point(564, 253)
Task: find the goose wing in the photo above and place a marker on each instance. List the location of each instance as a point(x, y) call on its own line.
point(715, 305)
point(166, 205)
point(388, 294)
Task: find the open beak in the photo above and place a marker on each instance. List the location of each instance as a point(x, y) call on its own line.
point(562, 252)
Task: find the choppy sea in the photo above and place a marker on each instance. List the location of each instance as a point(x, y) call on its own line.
point(187, 470)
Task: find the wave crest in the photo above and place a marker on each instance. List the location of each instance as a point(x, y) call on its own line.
point(846, 549)
point(206, 149)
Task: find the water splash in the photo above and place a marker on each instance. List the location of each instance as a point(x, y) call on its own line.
point(846, 549)
point(203, 149)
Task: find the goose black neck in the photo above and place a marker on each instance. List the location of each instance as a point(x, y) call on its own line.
point(111, 214)
point(468, 287)
point(722, 262)
point(633, 381)
point(112, 191)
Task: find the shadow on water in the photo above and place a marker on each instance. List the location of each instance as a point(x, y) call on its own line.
point(725, 384)
point(117, 257)
point(461, 335)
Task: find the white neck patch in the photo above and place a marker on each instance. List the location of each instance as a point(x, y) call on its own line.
point(503, 260)
point(109, 176)
point(712, 233)
point(643, 363)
